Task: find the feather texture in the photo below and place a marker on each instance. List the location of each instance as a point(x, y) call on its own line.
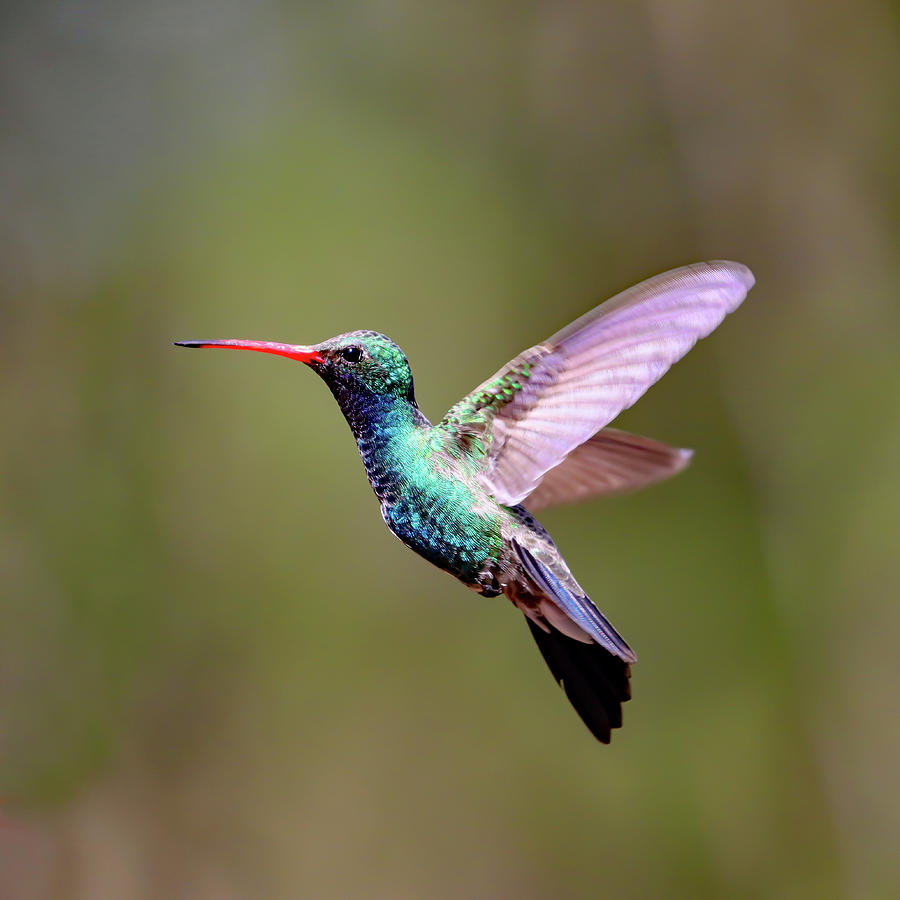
point(611, 462)
point(553, 397)
point(555, 580)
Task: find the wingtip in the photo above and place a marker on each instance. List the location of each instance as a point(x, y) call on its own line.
point(738, 270)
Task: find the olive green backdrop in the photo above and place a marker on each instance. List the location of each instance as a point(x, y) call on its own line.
point(220, 675)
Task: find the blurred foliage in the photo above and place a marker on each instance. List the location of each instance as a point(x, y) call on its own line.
point(220, 676)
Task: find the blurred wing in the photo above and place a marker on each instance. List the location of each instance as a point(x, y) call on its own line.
point(531, 414)
point(611, 462)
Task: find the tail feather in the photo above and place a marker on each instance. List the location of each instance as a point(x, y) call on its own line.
point(578, 607)
point(595, 680)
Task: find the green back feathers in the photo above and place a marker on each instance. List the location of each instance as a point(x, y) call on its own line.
point(469, 421)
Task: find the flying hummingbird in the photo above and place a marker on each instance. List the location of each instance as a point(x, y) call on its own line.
point(462, 492)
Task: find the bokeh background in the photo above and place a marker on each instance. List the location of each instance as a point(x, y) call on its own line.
point(220, 676)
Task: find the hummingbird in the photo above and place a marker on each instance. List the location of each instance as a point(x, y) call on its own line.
point(462, 492)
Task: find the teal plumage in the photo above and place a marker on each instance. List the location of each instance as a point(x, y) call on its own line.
point(426, 497)
point(534, 434)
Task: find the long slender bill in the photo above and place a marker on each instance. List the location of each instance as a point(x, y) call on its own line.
point(308, 355)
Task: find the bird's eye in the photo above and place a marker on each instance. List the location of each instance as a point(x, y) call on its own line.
point(351, 354)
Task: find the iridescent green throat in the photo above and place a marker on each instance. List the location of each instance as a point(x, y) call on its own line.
point(425, 498)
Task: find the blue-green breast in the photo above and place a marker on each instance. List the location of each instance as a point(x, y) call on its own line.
point(426, 500)
point(442, 519)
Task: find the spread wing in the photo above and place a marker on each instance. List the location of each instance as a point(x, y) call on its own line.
point(610, 462)
point(551, 398)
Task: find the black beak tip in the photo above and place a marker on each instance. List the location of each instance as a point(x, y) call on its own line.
point(187, 343)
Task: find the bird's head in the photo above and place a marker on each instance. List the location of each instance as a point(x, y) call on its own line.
point(355, 365)
point(365, 363)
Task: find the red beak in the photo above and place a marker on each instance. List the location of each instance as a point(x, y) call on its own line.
point(308, 355)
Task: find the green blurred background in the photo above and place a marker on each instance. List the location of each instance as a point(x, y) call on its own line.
point(220, 675)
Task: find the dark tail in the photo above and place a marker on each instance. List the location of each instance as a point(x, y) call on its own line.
point(595, 681)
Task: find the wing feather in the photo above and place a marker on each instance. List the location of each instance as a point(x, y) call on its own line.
point(610, 462)
point(555, 396)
